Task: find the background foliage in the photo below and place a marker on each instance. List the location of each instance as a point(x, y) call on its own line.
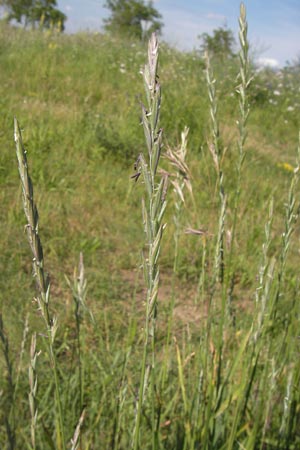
point(34, 13)
point(135, 18)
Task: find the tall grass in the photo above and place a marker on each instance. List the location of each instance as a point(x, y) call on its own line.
point(108, 369)
point(153, 212)
point(43, 284)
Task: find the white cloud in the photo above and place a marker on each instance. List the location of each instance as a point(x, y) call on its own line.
point(268, 62)
point(68, 8)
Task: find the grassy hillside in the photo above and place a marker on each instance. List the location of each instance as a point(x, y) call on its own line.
point(232, 285)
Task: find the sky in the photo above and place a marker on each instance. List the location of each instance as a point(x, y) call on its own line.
point(274, 25)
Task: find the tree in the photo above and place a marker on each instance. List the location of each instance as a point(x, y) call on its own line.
point(46, 14)
point(220, 44)
point(34, 12)
point(133, 17)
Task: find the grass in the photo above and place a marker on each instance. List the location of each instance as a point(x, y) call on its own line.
point(207, 360)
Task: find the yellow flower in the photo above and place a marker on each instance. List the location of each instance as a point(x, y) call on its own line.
point(286, 166)
point(52, 45)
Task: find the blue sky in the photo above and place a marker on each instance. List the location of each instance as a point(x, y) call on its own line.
point(274, 25)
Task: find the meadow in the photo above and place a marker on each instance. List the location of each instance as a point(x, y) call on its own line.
point(156, 304)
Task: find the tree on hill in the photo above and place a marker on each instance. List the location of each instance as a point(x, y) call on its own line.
point(220, 44)
point(133, 17)
point(34, 12)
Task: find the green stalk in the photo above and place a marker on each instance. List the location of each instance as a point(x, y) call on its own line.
point(153, 211)
point(180, 181)
point(10, 422)
point(33, 390)
point(291, 216)
point(244, 108)
point(186, 407)
point(265, 276)
point(79, 291)
point(219, 264)
point(43, 285)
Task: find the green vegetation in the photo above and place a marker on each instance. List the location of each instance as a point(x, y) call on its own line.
point(133, 17)
point(179, 326)
point(41, 13)
point(220, 44)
